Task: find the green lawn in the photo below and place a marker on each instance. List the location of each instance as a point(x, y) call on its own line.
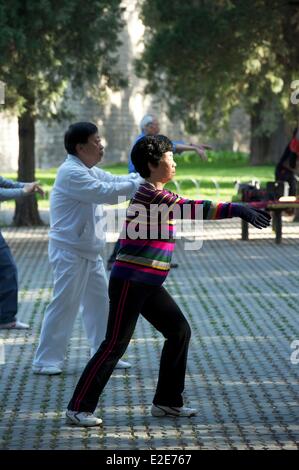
point(223, 172)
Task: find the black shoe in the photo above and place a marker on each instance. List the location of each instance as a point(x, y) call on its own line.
point(183, 411)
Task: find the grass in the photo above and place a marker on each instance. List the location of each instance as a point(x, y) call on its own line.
point(216, 177)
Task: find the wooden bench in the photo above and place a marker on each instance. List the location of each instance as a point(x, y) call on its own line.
point(276, 207)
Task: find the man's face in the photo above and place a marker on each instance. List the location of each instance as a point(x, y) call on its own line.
point(92, 152)
point(153, 128)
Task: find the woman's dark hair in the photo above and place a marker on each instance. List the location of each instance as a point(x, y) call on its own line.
point(149, 149)
point(78, 133)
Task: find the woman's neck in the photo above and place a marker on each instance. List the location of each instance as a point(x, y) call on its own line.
point(158, 184)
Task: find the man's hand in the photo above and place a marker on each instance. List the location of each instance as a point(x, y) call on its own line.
point(34, 187)
point(200, 149)
point(257, 217)
point(206, 146)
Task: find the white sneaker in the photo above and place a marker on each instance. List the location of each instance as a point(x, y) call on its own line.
point(182, 412)
point(82, 418)
point(15, 325)
point(122, 365)
point(46, 370)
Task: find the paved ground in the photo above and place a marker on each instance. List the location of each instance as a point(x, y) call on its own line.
point(241, 299)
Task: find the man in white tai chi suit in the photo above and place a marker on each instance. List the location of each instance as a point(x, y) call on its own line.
point(80, 279)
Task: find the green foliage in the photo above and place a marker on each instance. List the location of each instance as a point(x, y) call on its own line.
point(220, 156)
point(45, 45)
point(205, 58)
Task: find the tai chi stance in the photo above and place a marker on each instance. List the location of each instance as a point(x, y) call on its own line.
point(135, 285)
point(8, 269)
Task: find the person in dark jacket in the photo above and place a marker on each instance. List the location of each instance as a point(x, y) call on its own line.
point(8, 269)
point(288, 164)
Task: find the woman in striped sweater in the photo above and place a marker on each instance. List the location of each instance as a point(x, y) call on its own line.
point(141, 267)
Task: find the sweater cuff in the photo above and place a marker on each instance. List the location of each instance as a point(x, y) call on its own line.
point(235, 209)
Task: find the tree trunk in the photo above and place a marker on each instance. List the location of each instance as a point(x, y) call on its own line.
point(265, 149)
point(26, 212)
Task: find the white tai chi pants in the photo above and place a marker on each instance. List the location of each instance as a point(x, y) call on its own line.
point(77, 282)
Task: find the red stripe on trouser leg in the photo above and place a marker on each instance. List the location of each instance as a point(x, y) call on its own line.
point(110, 346)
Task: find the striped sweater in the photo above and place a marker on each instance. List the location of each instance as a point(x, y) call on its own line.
point(147, 239)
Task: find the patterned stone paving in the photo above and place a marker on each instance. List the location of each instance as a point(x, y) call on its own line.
point(241, 299)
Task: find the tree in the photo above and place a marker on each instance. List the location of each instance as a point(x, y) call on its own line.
point(206, 58)
point(46, 46)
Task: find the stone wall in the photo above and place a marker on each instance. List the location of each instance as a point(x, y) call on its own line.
point(9, 143)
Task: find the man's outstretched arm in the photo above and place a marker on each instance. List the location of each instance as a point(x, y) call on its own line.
point(200, 149)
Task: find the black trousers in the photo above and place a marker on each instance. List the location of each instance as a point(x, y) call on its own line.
point(127, 300)
point(8, 284)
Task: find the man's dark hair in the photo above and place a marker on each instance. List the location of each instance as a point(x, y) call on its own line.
point(78, 133)
point(149, 149)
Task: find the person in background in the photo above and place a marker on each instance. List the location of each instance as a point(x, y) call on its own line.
point(287, 169)
point(149, 125)
point(288, 165)
point(8, 269)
